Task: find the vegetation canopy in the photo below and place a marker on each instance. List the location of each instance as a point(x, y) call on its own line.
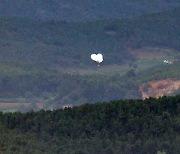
point(124, 126)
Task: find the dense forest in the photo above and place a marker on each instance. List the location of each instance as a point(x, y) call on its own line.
point(125, 126)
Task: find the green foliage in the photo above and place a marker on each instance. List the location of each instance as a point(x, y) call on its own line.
point(128, 126)
point(15, 142)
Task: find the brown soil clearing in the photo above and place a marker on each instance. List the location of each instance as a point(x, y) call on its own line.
point(159, 88)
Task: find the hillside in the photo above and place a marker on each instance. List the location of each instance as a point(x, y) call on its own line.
point(61, 44)
point(82, 10)
point(47, 64)
point(124, 126)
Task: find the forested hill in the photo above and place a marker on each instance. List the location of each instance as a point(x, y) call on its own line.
point(78, 10)
point(125, 126)
point(49, 62)
point(61, 44)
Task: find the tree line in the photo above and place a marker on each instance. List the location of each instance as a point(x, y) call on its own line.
point(124, 126)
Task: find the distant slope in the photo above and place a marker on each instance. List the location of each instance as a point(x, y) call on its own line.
point(124, 126)
point(55, 89)
point(49, 62)
point(64, 44)
point(79, 10)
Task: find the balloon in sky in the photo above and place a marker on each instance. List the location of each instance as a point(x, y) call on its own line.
point(97, 57)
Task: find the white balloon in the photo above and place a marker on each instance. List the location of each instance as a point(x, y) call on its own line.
point(100, 58)
point(94, 57)
point(97, 58)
